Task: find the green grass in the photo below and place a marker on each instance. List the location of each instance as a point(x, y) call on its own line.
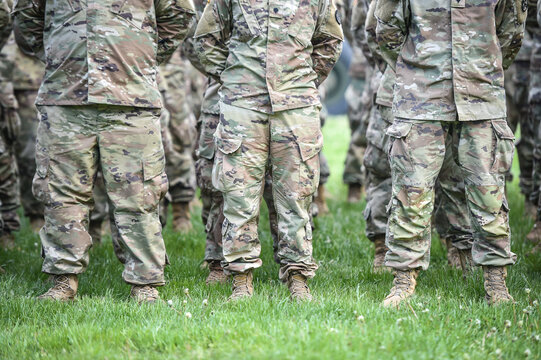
point(448, 317)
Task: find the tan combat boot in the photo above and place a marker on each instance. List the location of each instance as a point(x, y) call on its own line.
point(144, 294)
point(36, 223)
point(535, 235)
point(298, 287)
point(496, 291)
point(64, 288)
point(379, 255)
point(354, 193)
point(242, 286)
point(403, 287)
point(216, 275)
point(321, 201)
point(95, 229)
point(7, 241)
point(466, 262)
point(181, 217)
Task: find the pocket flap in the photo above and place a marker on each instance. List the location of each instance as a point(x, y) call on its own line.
point(503, 131)
point(227, 145)
point(399, 129)
point(309, 150)
point(154, 166)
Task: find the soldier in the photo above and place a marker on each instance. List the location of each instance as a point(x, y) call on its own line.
point(354, 172)
point(270, 59)
point(10, 126)
point(182, 127)
point(534, 101)
point(96, 110)
point(464, 110)
point(26, 73)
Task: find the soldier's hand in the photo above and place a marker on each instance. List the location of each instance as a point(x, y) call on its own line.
point(11, 124)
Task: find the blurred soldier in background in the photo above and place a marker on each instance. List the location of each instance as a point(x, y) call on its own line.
point(95, 110)
point(533, 27)
point(182, 128)
point(26, 73)
point(357, 100)
point(10, 128)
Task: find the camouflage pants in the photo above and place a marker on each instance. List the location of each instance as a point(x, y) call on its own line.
point(358, 122)
point(73, 141)
point(182, 128)
point(9, 187)
point(451, 217)
point(534, 100)
point(247, 142)
point(484, 152)
point(516, 86)
point(25, 149)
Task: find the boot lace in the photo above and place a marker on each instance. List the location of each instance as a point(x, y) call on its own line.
point(147, 293)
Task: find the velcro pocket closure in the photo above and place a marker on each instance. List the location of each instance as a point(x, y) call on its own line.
point(502, 130)
point(227, 145)
point(154, 166)
point(309, 150)
point(399, 129)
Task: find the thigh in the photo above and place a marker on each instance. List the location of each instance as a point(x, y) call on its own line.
point(417, 151)
point(66, 155)
point(242, 146)
point(296, 141)
point(485, 151)
point(132, 157)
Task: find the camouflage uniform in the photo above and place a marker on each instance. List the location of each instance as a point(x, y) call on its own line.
point(25, 73)
point(534, 100)
point(465, 111)
point(451, 217)
point(182, 127)
point(100, 105)
point(269, 107)
point(10, 126)
point(517, 78)
point(353, 169)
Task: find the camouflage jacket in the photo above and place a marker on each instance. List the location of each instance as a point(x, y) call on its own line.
point(269, 60)
point(450, 56)
point(115, 62)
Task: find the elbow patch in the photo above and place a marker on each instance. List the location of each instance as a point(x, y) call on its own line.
point(332, 25)
point(521, 11)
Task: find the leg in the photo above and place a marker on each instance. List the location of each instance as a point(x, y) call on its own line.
point(66, 161)
point(239, 170)
point(25, 150)
point(133, 165)
point(484, 173)
point(379, 183)
point(296, 141)
point(416, 155)
point(485, 153)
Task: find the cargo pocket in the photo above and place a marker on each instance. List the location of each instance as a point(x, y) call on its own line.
point(399, 150)
point(40, 184)
point(309, 170)
point(504, 147)
point(155, 183)
point(224, 173)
